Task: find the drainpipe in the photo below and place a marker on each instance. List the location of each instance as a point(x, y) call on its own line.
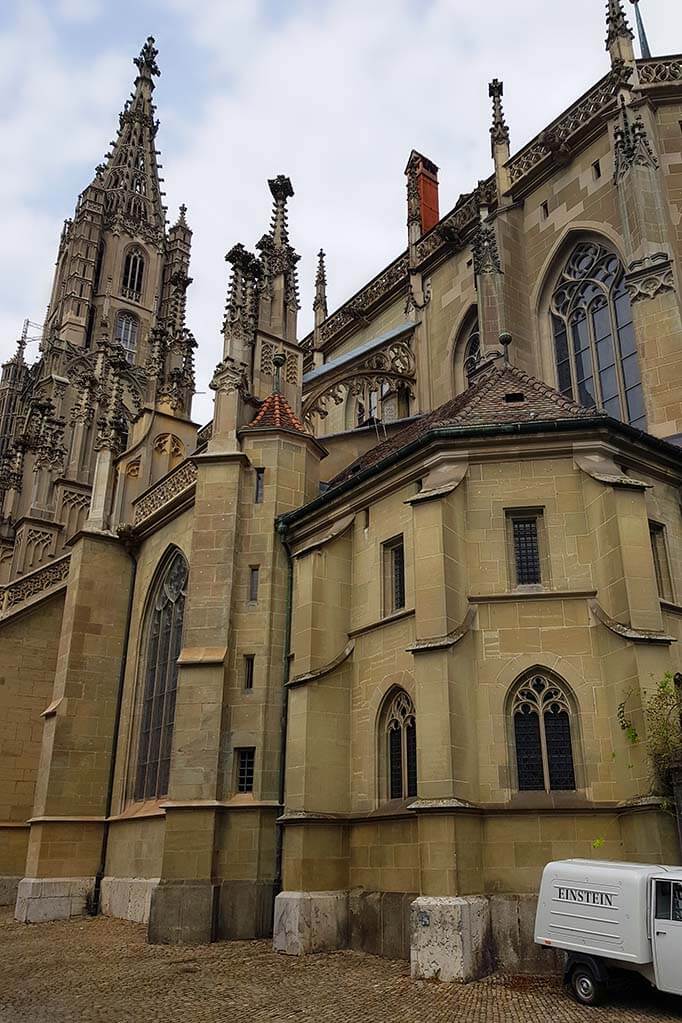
point(279, 841)
point(94, 904)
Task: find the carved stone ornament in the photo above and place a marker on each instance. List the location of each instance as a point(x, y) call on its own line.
point(229, 376)
point(54, 574)
point(182, 479)
point(485, 252)
point(647, 278)
point(661, 71)
point(631, 145)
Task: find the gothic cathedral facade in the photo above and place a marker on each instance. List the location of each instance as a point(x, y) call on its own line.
point(349, 664)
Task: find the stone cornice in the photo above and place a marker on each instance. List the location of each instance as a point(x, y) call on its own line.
point(326, 669)
point(626, 631)
point(445, 642)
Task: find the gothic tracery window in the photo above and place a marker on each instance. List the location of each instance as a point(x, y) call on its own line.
point(133, 272)
point(127, 330)
point(472, 352)
point(594, 339)
point(400, 746)
point(541, 715)
point(163, 640)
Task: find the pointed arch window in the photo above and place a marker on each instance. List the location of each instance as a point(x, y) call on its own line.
point(543, 741)
point(399, 743)
point(594, 339)
point(163, 640)
point(127, 330)
point(133, 275)
point(472, 352)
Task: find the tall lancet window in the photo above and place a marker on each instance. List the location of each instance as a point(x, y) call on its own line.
point(472, 352)
point(133, 273)
point(127, 330)
point(399, 739)
point(541, 715)
point(162, 642)
point(594, 338)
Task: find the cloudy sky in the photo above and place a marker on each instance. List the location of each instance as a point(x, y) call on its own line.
point(334, 93)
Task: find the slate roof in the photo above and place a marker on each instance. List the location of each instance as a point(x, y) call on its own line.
point(501, 396)
point(276, 414)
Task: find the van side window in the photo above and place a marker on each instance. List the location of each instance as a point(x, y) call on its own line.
point(677, 903)
point(663, 899)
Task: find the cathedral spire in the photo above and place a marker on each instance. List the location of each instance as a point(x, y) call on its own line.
point(130, 173)
point(320, 303)
point(619, 35)
point(499, 138)
point(641, 31)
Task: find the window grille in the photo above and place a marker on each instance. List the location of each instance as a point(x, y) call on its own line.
point(163, 643)
point(127, 328)
point(260, 486)
point(248, 670)
point(133, 272)
point(542, 735)
point(526, 550)
point(594, 340)
point(401, 746)
point(661, 563)
point(394, 575)
point(254, 573)
point(246, 759)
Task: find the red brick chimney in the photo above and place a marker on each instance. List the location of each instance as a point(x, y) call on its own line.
point(424, 174)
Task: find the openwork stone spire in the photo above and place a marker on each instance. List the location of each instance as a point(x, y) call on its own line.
point(499, 132)
point(631, 142)
point(130, 173)
point(320, 302)
point(281, 190)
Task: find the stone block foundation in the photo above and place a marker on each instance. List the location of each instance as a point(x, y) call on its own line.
point(310, 922)
point(128, 898)
point(52, 898)
point(8, 890)
point(451, 938)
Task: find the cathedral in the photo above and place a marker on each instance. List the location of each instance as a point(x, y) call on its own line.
point(347, 666)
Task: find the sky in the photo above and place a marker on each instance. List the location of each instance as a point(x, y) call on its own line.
point(333, 93)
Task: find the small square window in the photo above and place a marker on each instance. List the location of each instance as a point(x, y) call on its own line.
point(394, 575)
point(260, 486)
point(249, 660)
point(246, 759)
point(254, 572)
point(524, 530)
point(596, 170)
point(659, 549)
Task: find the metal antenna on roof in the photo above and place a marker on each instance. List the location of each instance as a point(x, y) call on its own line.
point(643, 41)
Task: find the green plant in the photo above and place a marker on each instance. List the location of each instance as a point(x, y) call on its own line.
point(625, 723)
point(664, 734)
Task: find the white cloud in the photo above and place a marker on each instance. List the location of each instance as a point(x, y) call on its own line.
point(334, 93)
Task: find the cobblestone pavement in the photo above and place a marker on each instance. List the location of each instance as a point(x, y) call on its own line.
point(102, 971)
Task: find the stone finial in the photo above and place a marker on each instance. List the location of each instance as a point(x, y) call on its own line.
point(643, 41)
point(320, 302)
point(182, 221)
point(281, 190)
point(619, 35)
point(146, 62)
point(499, 131)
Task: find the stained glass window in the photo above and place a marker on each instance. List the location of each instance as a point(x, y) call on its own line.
point(401, 746)
point(594, 340)
point(542, 736)
point(163, 642)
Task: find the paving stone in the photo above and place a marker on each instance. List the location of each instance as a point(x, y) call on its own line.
point(102, 971)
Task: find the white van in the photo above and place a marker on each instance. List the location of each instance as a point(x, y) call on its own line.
point(611, 917)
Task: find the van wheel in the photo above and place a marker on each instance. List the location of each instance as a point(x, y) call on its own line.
point(587, 989)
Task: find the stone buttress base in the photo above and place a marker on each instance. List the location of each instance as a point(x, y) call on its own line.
point(52, 898)
point(310, 922)
point(451, 938)
point(128, 898)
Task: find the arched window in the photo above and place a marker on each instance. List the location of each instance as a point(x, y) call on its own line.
point(472, 352)
point(594, 339)
point(541, 715)
point(159, 676)
point(127, 329)
point(399, 741)
point(133, 272)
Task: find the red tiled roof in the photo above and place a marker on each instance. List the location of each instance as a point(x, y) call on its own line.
point(504, 395)
point(276, 414)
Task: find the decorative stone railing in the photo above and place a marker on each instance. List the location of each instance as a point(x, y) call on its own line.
point(166, 490)
point(205, 433)
point(47, 578)
point(664, 71)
